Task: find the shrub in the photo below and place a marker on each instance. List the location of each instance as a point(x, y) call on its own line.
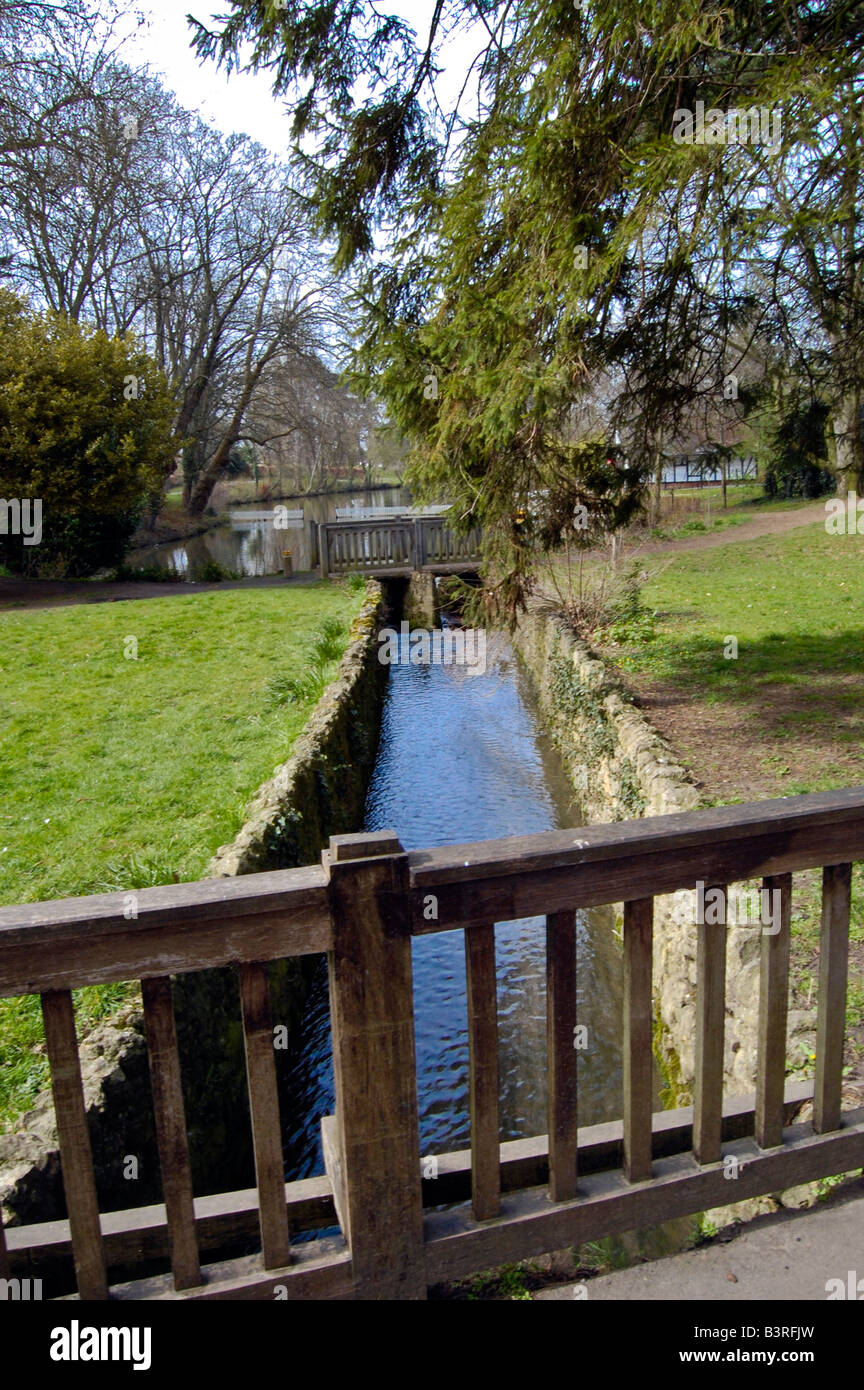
point(86, 427)
point(150, 574)
point(211, 572)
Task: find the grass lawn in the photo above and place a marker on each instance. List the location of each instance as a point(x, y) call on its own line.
point(689, 512)
point(121, 773)
point(794, 692)
point(783, 716)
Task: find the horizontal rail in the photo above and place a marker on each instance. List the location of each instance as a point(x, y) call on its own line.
point(435, 509)
point(140, 1234)
point(529, 1225)
point(178, 928)
point(533, 875)
point(322, 1270)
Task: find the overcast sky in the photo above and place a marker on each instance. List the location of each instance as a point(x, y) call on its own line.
point(244, 102)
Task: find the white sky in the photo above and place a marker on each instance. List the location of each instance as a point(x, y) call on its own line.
point(244, 103)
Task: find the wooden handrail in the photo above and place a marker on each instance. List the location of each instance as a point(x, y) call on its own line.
point(361, 907)
point(533, 875)
point(178, 928)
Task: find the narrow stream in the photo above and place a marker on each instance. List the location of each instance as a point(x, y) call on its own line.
point(462, 757)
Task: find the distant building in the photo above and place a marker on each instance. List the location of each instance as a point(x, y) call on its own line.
point(702, 465)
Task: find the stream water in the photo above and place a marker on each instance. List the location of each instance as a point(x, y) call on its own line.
point(462, 757)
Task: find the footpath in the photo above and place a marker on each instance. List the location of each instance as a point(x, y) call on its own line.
point(787, 1255)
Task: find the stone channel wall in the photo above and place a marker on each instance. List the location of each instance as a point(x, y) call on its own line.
point(319, 791)
point(621, 768)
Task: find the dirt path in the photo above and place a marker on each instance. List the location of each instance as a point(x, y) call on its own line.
point(769, 524)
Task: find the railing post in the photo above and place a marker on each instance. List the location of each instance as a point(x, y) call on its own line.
point(322, 552)
point(710, 1025)
point(833, 972)
point(419, 543)
point(372, 1018)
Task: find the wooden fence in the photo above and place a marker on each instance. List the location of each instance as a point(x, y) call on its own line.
point(362, 907)
point(397, 547)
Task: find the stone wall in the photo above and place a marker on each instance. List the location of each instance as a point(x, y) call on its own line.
point(622, 768)
point(319, 791)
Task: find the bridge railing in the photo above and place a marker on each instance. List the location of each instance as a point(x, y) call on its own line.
point(398, 547)
point(362, 907)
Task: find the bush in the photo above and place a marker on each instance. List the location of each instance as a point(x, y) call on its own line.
point(211, 572)
point(86, 427)
point(150, 574)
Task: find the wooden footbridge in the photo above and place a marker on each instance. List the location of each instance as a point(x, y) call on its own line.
point(514, 1200)
point(393, 547)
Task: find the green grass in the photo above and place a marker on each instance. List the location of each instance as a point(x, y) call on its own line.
point(119, 773)
point(746, 502)
point(795, 605)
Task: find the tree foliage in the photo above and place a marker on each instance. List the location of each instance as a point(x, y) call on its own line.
point(85, 428)
point(125, 211)
point(799, 460)
point(553, 230)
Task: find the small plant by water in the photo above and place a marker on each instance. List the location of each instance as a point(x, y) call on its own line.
point(211, 572)
point(150, 574)
point(326, 649)
point(509, 1282)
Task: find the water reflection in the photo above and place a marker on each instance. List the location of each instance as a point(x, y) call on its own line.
point(252, 541)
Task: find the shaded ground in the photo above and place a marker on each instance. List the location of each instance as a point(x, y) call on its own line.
point(765, 745)
point(59, 593)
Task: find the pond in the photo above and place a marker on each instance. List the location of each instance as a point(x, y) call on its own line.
point(250, 542)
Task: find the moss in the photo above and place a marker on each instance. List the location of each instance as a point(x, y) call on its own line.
point(572, 696)
point(673, 1094)
point(628, 790)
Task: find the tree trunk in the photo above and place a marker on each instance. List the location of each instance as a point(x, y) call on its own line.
point(848, 446)
point(208, 478)
point(657, 452)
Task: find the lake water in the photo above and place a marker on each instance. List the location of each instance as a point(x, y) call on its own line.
point(250, 543)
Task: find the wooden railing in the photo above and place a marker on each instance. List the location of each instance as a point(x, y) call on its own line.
point(396, 547)
point(362, 907)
